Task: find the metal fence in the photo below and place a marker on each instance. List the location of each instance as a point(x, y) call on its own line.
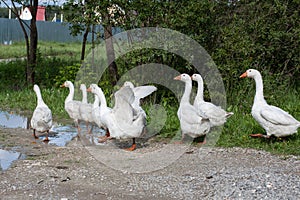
point(10, 31)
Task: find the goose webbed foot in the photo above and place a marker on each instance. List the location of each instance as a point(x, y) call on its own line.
point(133, 146)
point(259, 135)
point(46, 140)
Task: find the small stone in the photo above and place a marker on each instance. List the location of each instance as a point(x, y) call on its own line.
point(269, 185)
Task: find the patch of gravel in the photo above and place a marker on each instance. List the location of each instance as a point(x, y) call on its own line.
point(71, 172)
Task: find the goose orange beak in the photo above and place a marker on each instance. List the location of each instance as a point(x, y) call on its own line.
point(89, 89)
point(63, 85)
point(244, 75)
point(177, 77)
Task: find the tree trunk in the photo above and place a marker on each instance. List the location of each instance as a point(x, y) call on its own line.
point(113, 69)
point(84, 39)
point(33, 44)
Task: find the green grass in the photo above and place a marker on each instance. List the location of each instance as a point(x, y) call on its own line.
point(24, 101)
point(234, 134)
point(239, 126)
point(14, 95)
point(59, 50)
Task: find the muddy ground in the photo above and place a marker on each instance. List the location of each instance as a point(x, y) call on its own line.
point(80, 171)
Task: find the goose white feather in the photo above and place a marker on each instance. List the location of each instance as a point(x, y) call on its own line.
point(96, 112)
point(85, 108)
point(41, 119)
point(120, 119)
point(217, 116)
point(139, 93)
point(192, 122)
point(72, 106)
point(274, 120)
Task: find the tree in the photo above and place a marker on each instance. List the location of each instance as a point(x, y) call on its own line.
point(237, 34)
point(81, 16)
point(84, 15)
point(31, 40)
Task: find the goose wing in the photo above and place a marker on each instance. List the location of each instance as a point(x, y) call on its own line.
point(43, 117)
point(190, 114)
point(123, 110)
point(277, 116)
point(211, 110)
point(143, 91)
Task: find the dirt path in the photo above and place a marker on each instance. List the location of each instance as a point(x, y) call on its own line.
point(84, 172)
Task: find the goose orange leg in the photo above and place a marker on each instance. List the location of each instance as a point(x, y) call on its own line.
point(104, 138)
point(47, 139)
point(260, 135)
point(133, 146)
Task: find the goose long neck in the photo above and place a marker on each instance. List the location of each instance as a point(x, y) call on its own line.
point(96, 102)
point(199, 96)
point(259, 94)
point(40, 100)
point(71, 93)
point(101, 97)
point(84, 95)
point(187, 91)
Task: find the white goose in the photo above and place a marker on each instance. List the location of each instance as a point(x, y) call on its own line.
point(85, 109)
point(96, 112)
point(41, 119)
point(217, 116)
point(274, 120)
point(72, 106)
point(139, 93)
point(192, 122)
point(120, 119)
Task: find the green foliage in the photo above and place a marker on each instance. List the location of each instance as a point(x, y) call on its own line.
point(262, 35)
point(66, 73)
point(3, 11)
point(12, 75)
point(25, 101)
point(238, 35)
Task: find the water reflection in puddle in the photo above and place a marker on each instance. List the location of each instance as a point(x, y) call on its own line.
point(92, 139)
point(7, 158)
point(12, 120)
point(60, 135)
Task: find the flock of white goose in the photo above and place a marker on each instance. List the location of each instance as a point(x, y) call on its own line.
point(127, 119)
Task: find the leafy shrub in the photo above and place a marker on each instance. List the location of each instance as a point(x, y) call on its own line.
point(12, 75)
point(66, 73)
